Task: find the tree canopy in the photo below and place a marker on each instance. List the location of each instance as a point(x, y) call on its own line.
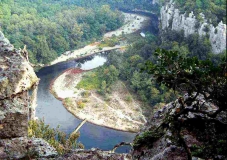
point(49, 27)
point(191, 75)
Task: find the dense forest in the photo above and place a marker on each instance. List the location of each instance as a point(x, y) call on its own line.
point(129, 64)
point(214, 10)
point(49, 28)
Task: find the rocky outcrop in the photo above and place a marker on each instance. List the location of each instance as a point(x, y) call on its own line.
point(95, 154)
point(173, 19)
point(5, 44)
point(177, 132)
point(23, 147)
point(17, 78)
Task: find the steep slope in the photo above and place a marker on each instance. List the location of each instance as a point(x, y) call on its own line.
point(172, 18)
point(17, 78)
point(177, 132)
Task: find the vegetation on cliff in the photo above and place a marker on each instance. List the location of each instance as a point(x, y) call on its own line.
point(214, 10)
point(56, 138)
point(195, 122)
point(191, 75)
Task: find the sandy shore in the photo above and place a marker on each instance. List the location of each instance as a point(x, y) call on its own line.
point(133, 23)
point(116, 112)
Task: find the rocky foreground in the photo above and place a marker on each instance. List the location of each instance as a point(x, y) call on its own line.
point(178, 132)
point(17, 78)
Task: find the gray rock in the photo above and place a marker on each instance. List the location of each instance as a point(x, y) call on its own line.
point(217, 35)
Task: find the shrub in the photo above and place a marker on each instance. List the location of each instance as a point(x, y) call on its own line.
point(68, 102)
point(128, 98)
point(55, 137)
point(80, 104)
point(85, 94)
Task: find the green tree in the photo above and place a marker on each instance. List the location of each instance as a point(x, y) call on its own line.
point(196, 77)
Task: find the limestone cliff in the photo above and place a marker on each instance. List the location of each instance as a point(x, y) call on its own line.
point(17, 78)
point(173, 19)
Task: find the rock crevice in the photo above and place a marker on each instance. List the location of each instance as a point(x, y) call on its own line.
point(17, 78)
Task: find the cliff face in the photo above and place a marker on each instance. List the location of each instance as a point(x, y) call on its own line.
point(17, 78)
point(171, 18)
point(183, 132)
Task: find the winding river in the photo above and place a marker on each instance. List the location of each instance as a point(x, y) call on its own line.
point(54, 113)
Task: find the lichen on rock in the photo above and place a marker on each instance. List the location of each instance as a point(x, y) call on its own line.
point(17, 77)
point(176, 132)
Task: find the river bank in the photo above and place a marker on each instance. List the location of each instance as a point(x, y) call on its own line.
point(132, 24)
point(116, 112)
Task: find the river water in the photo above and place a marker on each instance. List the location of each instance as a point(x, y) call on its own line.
point(54, 113)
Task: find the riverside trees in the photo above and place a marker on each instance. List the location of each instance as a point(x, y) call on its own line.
point(49, 28)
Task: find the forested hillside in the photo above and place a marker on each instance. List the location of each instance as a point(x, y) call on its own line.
point(214, 10)
point(119, 4)
point(49, 27)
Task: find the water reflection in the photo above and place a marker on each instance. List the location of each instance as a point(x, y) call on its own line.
point(54, 113)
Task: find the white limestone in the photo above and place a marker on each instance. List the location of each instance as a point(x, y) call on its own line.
point(217, 35)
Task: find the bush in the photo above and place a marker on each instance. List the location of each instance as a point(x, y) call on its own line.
point(54, 137)
point(107, 98)
point(128, 98)
point(68, 102)
point(80, 104)
point(85, 94)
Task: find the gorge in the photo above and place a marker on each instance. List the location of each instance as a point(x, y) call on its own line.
point(182, 125)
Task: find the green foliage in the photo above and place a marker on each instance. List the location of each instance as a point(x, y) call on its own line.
point(101, 79)
point(190, 75)
point(49, 27)
point(86, 94)
point(128, 98)
point(111, 42)
point(117, 4)
point(197, 151)
point(146, 139)
point(128, 64)
point(68, 102)
point(215, 10)
point(80, 104)
point(54, 137)
point(90, 81)
point(193, 45)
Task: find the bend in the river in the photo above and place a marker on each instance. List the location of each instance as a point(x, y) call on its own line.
point(54, 113)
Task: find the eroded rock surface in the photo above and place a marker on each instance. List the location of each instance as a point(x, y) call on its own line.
point(185, 133)
point(23, 147)
point(17, 77)
point(95, 154)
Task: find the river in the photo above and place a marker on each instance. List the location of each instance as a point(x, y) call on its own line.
point(54, 113)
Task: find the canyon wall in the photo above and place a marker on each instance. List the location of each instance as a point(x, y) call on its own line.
point(173, 19)
point(17, 80)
